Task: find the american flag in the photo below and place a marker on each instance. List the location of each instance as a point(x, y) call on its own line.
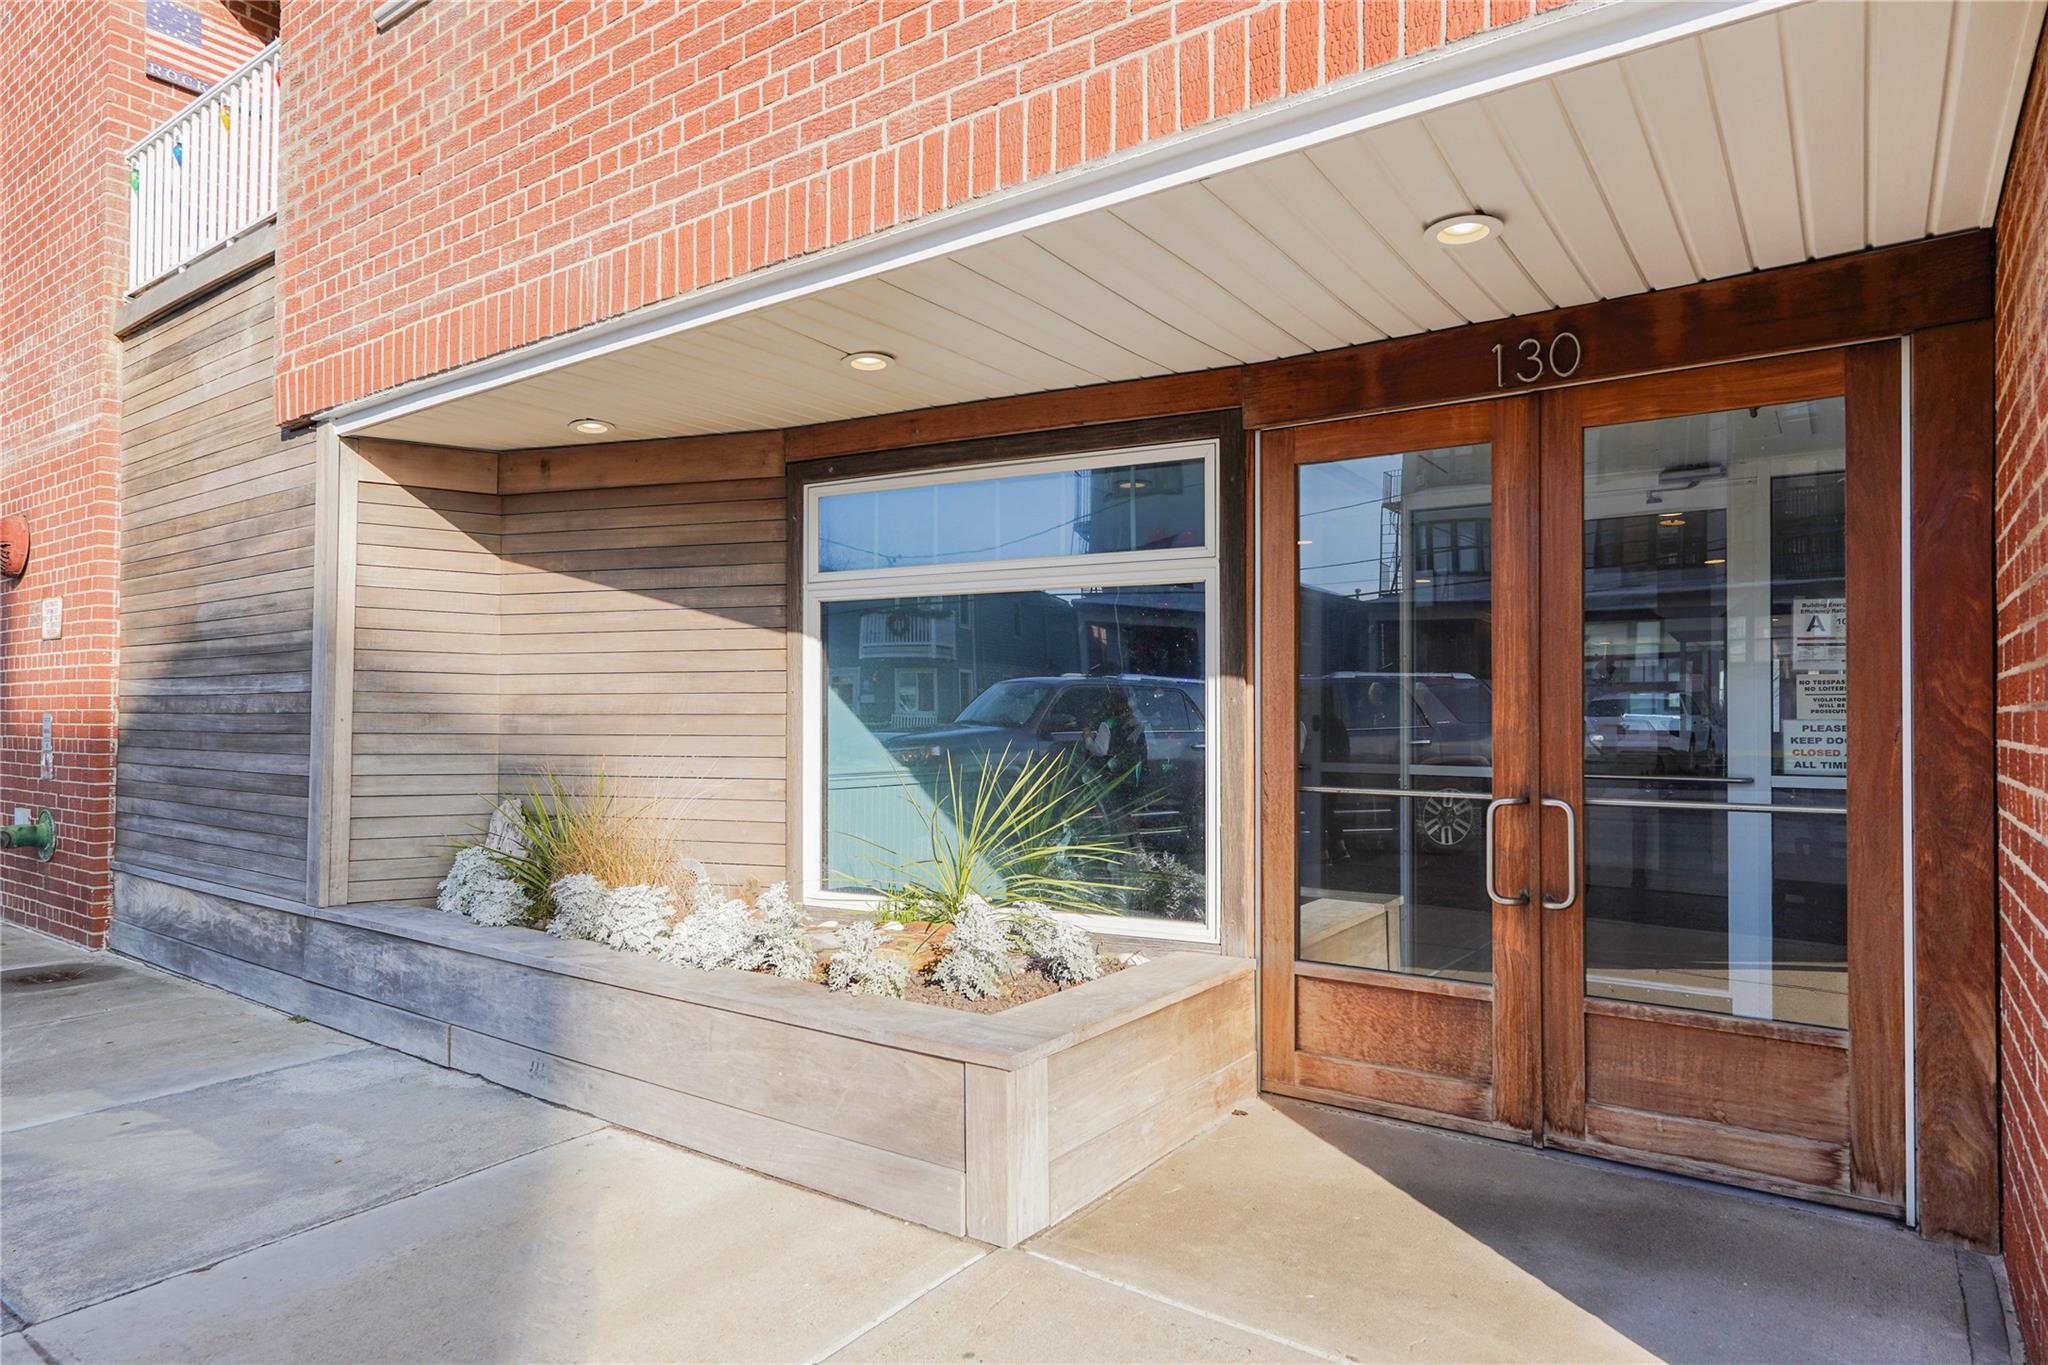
point(191, 51)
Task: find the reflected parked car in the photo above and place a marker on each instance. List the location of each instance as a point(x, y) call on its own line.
point(1650, 729)
point(1373, 729)
point(1079, 715)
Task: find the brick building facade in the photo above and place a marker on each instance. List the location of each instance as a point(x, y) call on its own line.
point(476, 177)
point(75, 108)
point(2023, 706)
point(472, 185)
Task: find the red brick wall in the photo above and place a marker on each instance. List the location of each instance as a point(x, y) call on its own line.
point(74, 100)
point(487, 174)
point(2022, 330)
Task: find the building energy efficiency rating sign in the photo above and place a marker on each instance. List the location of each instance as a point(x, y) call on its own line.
point(1817, 738)
point(1820, 631)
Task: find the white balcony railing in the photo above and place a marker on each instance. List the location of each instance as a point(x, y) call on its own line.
point(205, 177)
point(902, 635)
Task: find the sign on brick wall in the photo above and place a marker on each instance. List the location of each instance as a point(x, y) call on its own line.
point(193, 50)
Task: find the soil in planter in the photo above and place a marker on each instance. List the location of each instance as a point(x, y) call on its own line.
point(1021, 989)
point(1030, 986)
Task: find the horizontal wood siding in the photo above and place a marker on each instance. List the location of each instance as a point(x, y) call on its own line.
point(641, 633)
point(216, 602)
point(425, 720)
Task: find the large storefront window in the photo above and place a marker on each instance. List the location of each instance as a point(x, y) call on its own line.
point(1050, 621)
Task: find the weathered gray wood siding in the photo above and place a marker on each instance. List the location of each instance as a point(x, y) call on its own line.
point(425, 709)
point(216, 601)
point(641, 631)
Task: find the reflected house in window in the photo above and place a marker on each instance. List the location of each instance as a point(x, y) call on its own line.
point(921, 660)
point(1429, 559)
point(1143, 507)
point(1157, 632)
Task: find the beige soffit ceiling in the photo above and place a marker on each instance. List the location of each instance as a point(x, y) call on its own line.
point(1803, 131)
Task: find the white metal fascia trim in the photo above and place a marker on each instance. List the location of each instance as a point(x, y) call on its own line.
point(388, 13)
point(1585, 34)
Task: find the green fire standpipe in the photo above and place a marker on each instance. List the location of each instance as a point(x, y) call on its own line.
point(40, 836)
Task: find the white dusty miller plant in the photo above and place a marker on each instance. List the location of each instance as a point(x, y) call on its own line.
point(860, 966)
point(977, 953)
point(782, 939)
point(632, 919)
point(478, 889)
point(719, 933)
point(639, 919)
point(1062, 952)
point(579, 907)
point(724, 932)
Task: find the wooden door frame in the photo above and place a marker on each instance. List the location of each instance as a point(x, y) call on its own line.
point(1513, 1090)
point(1937, 351)
point(1866, 379)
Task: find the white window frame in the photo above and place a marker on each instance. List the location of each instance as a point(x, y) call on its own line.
point(1124, 569)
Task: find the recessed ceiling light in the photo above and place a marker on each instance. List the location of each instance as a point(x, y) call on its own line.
point(1463, 229)
point(590, 426)
point(1673, 520)
point(870, 361)
point(1713, 561)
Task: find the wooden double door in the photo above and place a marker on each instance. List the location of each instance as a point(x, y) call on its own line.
point(1580, 764)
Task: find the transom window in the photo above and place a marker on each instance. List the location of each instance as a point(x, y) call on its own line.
point(1049, 616)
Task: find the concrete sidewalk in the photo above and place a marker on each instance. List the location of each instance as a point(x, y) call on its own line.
point(186, 1176)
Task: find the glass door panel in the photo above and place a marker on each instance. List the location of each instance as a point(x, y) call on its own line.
point(1394, 728)
point(1715, 699)
point(1397, 625)
point(1721, 886)
point(1557, 792)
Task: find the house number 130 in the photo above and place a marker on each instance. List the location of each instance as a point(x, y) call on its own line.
point(1534, 361)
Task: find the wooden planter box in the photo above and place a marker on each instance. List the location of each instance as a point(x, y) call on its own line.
point(991, 1126)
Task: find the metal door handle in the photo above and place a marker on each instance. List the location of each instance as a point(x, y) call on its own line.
point(1571, 854)
point(1493, 808)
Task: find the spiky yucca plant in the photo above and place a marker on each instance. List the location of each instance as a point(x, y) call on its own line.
point(1012, 831)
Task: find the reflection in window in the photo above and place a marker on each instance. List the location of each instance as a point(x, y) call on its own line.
point(1114, 509)
point(1033, 620)
point(1716, 673)
point(1395, 695)
point(1109, 680)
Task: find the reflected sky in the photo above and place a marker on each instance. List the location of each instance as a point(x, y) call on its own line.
point(1111, 510)
point(1354, 514)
